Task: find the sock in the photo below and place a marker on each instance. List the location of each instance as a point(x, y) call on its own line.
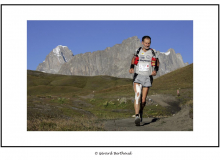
point(137, 115)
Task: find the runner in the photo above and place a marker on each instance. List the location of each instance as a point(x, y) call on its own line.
point(146, 66)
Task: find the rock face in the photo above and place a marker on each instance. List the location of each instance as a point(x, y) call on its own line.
point(55, 59)
point(169, 62)
point(113, 61)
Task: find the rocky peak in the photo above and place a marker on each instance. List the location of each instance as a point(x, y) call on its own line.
point(55, 59)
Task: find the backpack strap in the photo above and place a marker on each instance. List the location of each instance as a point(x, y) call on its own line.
point(153, 52)
point(138, 50)
point(156, 67)
point(135, 75)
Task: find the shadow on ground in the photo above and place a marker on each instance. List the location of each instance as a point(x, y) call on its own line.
point(178, 122)
point(152, 121)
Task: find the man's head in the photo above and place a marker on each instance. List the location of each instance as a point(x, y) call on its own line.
point(146, 41)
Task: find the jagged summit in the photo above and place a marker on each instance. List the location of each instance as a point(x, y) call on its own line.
point(55, 59)
point(58, 51)
point(131, 39)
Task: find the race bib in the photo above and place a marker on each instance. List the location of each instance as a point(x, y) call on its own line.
point(144, 67)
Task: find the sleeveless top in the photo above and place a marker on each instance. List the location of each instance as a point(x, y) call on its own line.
point(144, 65)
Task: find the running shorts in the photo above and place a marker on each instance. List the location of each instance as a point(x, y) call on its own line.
point(145, 81)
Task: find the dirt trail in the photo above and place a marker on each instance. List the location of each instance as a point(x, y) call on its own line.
point(178, 122)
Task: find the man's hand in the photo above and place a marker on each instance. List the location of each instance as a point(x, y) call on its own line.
point(154, 73)
point(131, 70)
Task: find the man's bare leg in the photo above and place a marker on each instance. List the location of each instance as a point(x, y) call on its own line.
point(137, 90)
point(143, 100)
point(145, 91)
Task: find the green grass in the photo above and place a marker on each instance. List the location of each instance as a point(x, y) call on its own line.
point(54, 102)
point(110, 109)
point(74, 124)
point(44, 84)
point(180, 78)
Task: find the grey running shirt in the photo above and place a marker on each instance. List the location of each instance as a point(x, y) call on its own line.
point(144, 65)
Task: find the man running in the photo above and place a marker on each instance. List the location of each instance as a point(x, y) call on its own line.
point(145, 68)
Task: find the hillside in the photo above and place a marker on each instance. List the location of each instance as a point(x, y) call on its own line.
point(44, 83)
point(180, 78)
point(61, 102)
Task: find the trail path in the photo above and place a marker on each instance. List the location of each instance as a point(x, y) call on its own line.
point(178, 122)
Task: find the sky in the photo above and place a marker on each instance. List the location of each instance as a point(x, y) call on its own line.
point(90, 36)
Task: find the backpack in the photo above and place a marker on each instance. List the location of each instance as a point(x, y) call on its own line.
point(156, 67)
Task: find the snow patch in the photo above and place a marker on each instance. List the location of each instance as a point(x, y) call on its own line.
point(56, 51)
point(166, 53)
point(62, 46)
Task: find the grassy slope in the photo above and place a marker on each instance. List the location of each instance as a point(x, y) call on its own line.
point(180, 79)
point(43, 83)
point(55, 103)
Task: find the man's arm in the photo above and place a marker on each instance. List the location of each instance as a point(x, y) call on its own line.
point(132, 65)
point(132, 61)
point(157, 65)
point(156, 68)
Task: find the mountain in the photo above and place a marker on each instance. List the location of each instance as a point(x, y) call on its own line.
point(169, 62)
point(55, 59)
point(113, 61)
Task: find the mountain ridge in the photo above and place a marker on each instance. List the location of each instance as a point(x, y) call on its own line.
point(113, 61)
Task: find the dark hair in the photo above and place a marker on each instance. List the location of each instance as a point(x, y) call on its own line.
point(148, 37)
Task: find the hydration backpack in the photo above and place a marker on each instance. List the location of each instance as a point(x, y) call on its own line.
point(137, 58)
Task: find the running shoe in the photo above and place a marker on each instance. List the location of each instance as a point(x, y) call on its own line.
point(137, 121)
